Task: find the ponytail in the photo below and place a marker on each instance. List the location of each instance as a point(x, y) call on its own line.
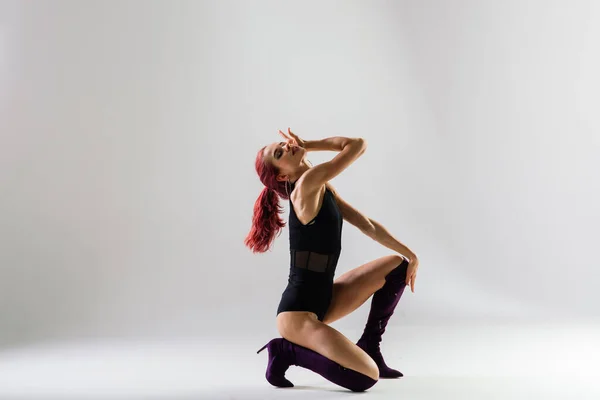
point(266, 222)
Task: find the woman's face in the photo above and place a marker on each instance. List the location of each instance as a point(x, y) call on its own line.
point(284, 156)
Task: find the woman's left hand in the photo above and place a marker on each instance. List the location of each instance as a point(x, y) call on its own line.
point(411, 273)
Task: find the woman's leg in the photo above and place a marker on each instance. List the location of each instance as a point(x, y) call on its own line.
point(304, 329)
point(313, 345)
point(354, 287)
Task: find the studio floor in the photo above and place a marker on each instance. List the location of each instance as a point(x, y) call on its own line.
point(460, 361)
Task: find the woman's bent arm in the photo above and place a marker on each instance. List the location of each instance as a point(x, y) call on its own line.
point(335, 143)
point(317, 176)
point(381, 235)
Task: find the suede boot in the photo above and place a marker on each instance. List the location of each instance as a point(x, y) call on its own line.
point(383, 303)
point(283, 353)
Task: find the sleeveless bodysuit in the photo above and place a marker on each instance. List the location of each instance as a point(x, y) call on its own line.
point(314, 252)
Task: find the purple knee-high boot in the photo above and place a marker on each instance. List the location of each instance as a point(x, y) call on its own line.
point(283, 353)
point(383, 303)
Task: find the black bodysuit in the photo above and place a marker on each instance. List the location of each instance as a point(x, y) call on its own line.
point(314, 252)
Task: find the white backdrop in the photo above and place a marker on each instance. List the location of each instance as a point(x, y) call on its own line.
point(129, 131)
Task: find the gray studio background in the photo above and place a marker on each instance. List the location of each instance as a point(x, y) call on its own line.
point(129, 131)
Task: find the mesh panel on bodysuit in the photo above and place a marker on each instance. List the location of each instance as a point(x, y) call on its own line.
point(313, 261)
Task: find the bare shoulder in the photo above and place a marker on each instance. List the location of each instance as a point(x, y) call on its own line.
point(303, 191)
point(306, 201)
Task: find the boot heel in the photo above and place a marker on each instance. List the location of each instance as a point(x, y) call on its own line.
point(262, 348)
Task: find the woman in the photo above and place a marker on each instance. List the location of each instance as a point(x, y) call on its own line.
point(312, 300)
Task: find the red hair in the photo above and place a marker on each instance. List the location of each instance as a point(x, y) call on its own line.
point(266, 222)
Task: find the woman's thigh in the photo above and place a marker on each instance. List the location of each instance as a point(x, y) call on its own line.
point(354, 287)
point(304, 329)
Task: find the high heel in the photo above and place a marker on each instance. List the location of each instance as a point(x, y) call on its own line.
point(262, 348)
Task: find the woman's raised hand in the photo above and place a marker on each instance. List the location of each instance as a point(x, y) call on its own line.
point(292, 138)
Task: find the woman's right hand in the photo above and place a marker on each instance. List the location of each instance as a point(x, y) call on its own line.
point(293, 139)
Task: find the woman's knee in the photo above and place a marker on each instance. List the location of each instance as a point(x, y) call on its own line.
point(371, 369)
point(398, 261)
